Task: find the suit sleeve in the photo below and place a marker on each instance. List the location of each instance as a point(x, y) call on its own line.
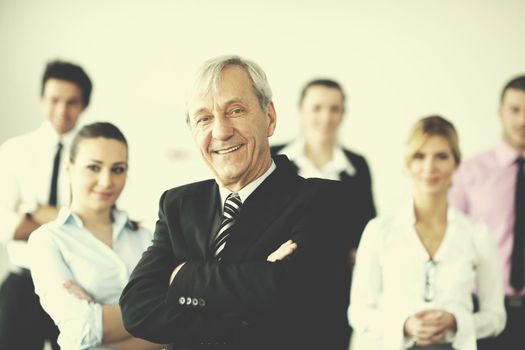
point(365, 207)
point(371, 209)
point(208, 298)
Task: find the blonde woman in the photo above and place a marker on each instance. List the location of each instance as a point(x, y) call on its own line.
point(416, 269)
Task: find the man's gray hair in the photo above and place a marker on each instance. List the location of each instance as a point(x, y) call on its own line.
point(208, 76)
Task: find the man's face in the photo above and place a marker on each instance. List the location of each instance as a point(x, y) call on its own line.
point(62, 104)
point(321, 113)
point(512, 114)
point(232, 130)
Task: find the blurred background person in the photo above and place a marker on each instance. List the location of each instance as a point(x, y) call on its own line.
point(81, 261)
point(416, 269)
point(32, 187)
point(491, 188)
point(317, 153)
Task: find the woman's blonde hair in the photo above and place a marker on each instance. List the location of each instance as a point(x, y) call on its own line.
point(424, 128)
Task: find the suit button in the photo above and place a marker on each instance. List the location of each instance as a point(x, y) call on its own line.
point(202, 302)
point(244, 323)
point(195, 302)
point(188, 301)
point(182, 300)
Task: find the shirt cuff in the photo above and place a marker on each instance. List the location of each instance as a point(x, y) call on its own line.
point(465, 336)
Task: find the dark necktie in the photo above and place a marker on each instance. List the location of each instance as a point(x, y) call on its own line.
point(517, 272)
point(54, 178)
point(232, 205)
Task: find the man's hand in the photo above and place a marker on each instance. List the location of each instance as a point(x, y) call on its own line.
point(28, 224)
point(430, 326)
point(73, 288)
point(286, 249)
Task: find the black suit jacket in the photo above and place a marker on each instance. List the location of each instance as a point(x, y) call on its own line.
point(358, 189)
point(245, 302)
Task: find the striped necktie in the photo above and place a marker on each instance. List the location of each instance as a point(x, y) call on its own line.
point(232, 205)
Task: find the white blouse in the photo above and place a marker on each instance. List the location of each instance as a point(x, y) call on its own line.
point(295, 151)
point(394, 278)
point(64, 250)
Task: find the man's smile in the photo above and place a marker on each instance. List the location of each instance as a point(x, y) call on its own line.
point(227, 150)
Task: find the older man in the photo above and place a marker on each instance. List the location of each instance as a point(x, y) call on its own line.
point(254, 259)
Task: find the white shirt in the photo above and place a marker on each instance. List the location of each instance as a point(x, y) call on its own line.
point(25, 181)
point(64, 250)
point(390, 273)
point(247, 190)
point(307, 169)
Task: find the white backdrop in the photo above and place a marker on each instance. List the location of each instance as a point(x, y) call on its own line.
point(397, 59)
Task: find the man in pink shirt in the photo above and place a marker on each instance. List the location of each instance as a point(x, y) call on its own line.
point(491, 188)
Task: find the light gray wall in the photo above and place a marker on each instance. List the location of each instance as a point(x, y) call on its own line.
point(398, 60)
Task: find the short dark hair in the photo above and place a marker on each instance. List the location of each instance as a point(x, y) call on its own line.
point(517, 83)
point(321, 82)
point(92, 131)
point(70, 72)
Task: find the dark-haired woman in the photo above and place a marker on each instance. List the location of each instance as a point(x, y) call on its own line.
point(82, 260)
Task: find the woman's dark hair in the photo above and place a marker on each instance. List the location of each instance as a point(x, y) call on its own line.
point(92, 131)
point(328, 83)
point(96, 130)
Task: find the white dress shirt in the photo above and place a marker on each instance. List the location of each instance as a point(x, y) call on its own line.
point(247, 190)
point(25, 181)
point(392, 266)
point(64, 250)
point(295, 151)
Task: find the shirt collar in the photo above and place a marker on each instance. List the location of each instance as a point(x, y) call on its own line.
point(247, 190)
point(295, 152)
point(506, 154)
point(68, 217)
point(410, 219)
point(47, 131)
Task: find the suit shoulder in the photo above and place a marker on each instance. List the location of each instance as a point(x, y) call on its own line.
point(189, 189)
point(332, 187)
point(355, 158)
point(274, 150)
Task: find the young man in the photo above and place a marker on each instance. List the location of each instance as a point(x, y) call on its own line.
point(33, 186)
point(253, 259)
point(491, 187)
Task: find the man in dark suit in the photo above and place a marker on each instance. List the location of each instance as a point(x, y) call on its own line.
point(253, 259)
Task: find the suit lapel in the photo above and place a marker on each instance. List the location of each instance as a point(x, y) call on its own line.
point(260, 209)
point(199, 212)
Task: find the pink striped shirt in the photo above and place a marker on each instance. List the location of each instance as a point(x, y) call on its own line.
point(484, 188)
